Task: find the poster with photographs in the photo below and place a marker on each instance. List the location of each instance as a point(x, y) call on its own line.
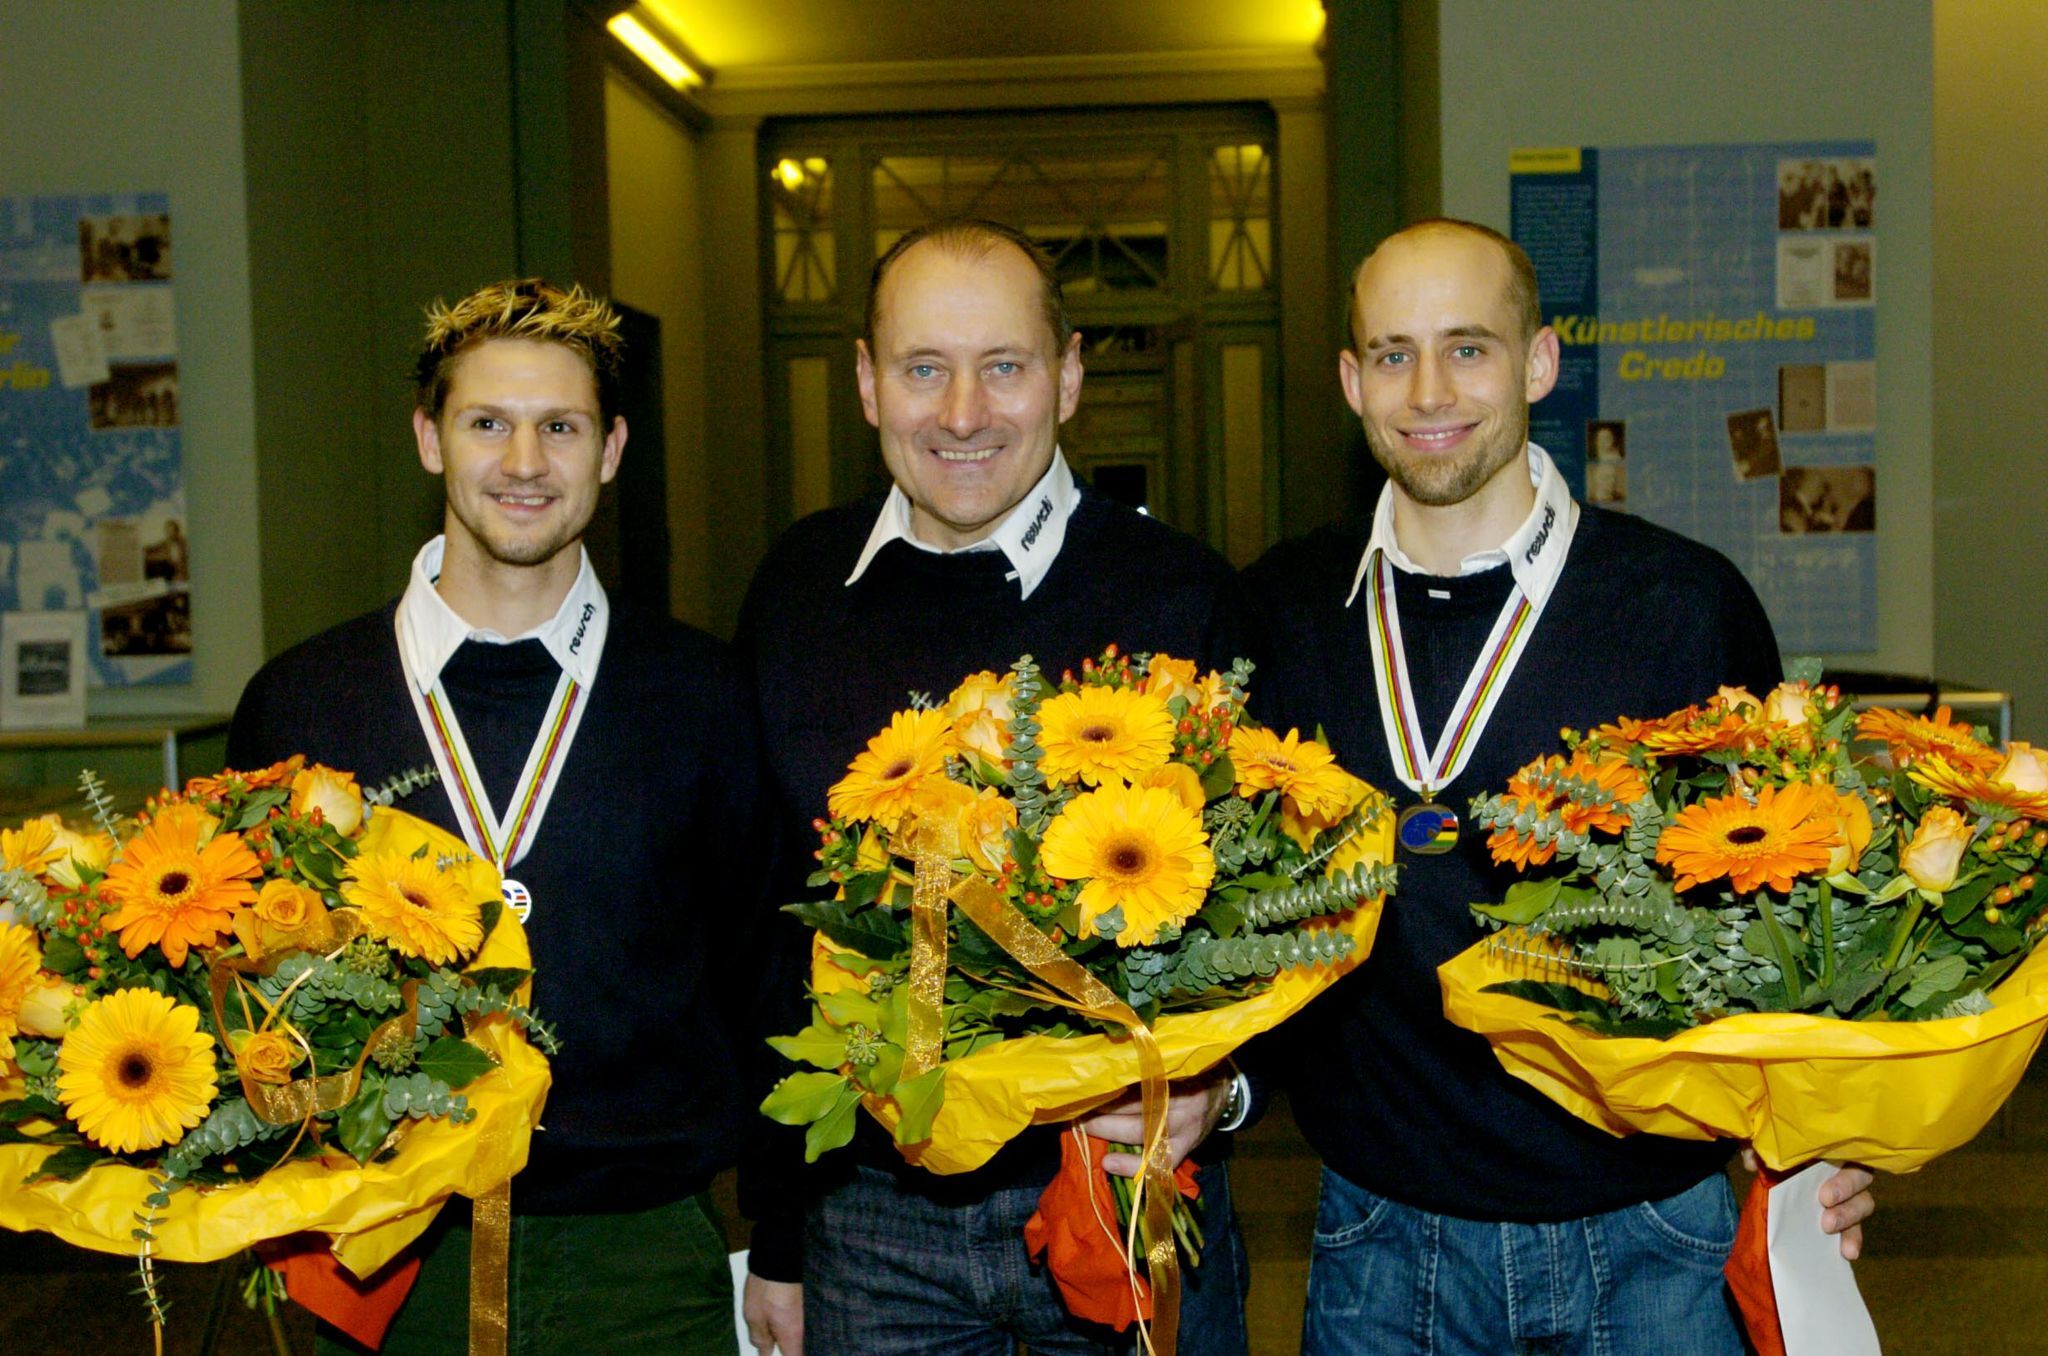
point(91, 448)
point(1716, 311)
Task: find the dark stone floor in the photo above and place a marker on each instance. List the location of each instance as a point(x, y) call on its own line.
point(1956, 1263)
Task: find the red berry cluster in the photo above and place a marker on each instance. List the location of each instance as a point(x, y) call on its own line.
point(1201, 737)
point(82, 918)
point(1036, 893)
point(837, 849)
point(1113, 669)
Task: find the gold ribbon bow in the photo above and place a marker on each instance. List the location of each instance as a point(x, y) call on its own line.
point(302, 1099)
point(935, 844)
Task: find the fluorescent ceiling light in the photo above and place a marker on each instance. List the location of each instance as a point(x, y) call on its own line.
point(652, 50)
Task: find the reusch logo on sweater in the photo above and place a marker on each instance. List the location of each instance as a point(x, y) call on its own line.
point(576, 641)
point(1037, 522)
point(1542, 535)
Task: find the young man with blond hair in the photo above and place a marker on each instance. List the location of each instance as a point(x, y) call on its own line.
point(604, 759)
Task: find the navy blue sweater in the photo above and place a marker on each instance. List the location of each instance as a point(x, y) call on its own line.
point(646, 876)
point(1390, 1094)
point(830, 662)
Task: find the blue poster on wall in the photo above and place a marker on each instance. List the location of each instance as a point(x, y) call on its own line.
point(1716, 309)
point(90, 450)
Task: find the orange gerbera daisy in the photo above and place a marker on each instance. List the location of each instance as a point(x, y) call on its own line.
point(1300, 769)
point(1599, 792)
point(1788, 831)
point(2019, 781)
point(277, 774)
point(881, 780)
point(1103, 734)
point(1912, 737)
point(172, 891)
point(1703, 729)
point(1532, 788)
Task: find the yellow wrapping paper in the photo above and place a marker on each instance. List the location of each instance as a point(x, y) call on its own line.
point(995, 1093)
point(1892, 1095)
point(374, 1210)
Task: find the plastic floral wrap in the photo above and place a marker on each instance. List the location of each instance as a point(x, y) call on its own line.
point(1731, 927)
point(261, 1008)
point(1050, 894)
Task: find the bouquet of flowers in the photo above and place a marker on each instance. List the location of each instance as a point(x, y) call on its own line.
point(1046, 894)
point(262, 1006)
point(1730, 926)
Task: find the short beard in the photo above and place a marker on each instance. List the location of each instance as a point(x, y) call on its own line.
point(1443, 483)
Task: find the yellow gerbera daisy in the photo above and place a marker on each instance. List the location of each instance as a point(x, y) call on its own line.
point(29, 848)
point(1103, 734)
point(1136, 849)
point(881, 780)
point(175, 893)
point(1789, 831)
point(137, 1071)
point(20, 959)
point(1300, 769)
point(416, 908)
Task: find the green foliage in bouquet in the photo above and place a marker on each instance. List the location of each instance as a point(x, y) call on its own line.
point(249, 973)
point(1740, 856)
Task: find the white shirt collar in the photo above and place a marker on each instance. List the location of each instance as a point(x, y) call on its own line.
point(1030, 534)
point(1515, 552)
point(432, 632)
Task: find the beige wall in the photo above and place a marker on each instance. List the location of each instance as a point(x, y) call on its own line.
point(658, 266)
point(1670, 72)
point(1990, 400)
point(93, 104)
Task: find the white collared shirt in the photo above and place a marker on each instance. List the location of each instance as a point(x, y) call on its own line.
point(430, 631)
point(1030, 534)
point(1515, 552)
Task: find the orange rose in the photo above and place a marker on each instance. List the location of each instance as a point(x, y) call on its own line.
point(265, 1056)
point(980, 711)
point(79, 852)
point(1852, 832)
point(2023, 769)
point(985, 825)
point(1167, 678)
point(1935, 853)
point(1180, 779)
point(334, 794)
point(286, 915)
point(45, 1009)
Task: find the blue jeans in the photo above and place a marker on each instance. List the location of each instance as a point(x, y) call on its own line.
point(888, 1272)
point(1643, 1279)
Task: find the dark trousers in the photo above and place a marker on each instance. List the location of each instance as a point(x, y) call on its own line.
point(655, 1282)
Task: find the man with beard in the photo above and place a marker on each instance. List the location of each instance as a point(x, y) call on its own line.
point(1461, 1210)
point(603, 758)
point(985, 548)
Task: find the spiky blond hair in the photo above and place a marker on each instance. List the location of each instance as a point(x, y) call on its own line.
point(522, 308)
